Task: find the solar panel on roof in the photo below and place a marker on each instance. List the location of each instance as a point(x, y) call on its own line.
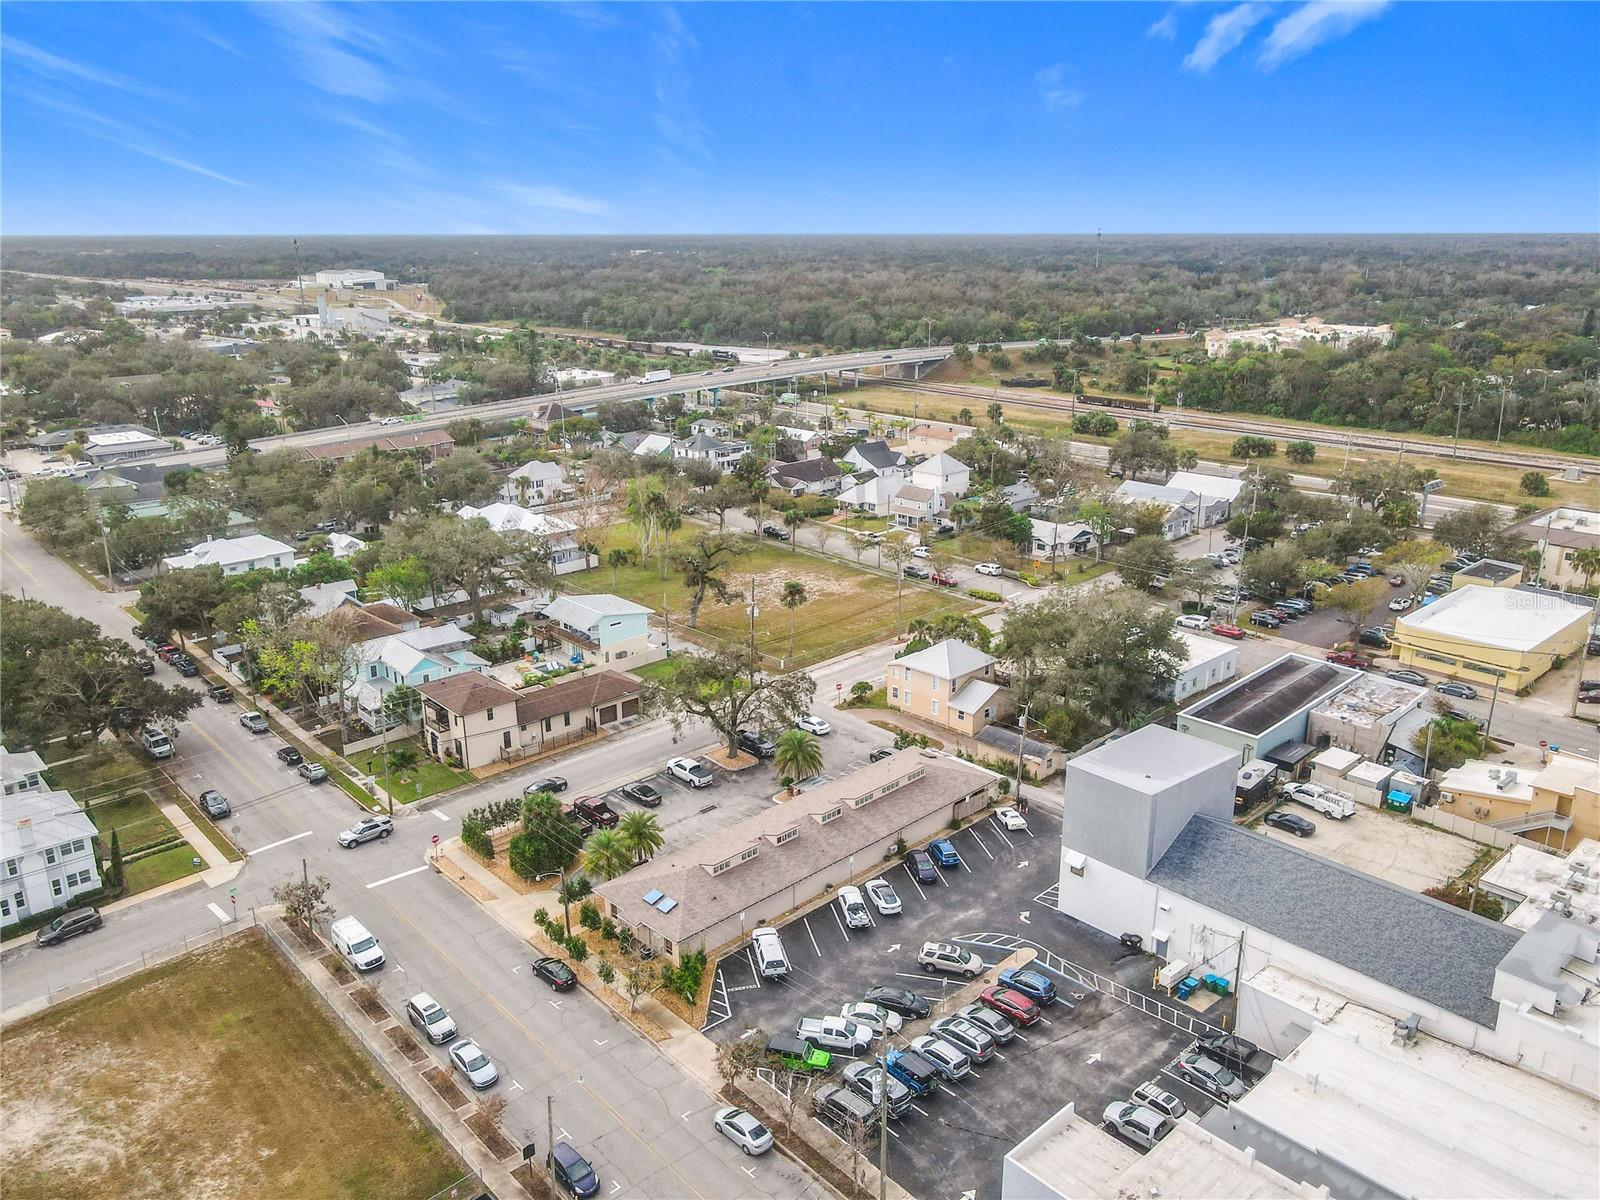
point(667, 904)
point(653, 895)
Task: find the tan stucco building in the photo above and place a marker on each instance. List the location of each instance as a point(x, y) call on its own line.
point(951, 685)
point(477, 721)
point(1483, 633)
point(1558, 805)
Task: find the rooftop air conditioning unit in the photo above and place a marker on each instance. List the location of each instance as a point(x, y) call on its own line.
point(1561, 896)
point(1578, 868)
point(1578, 884)
point(1494, 772)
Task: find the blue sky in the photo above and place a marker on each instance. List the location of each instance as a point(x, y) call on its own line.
point(825, 118)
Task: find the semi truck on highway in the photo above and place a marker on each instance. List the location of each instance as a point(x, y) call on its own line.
point(656, 377)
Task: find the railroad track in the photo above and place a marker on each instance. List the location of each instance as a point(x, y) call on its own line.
point(1190, 419)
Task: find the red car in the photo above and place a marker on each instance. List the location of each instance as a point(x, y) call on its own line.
point(1346, 659)
point(1228, 631)
point(1010, 1004)
point(944, 580)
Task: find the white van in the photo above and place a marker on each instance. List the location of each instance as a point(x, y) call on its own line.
point(359, 947)
point(156, 743)
point(768, 947)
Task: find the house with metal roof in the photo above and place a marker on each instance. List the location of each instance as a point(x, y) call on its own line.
point(595, 629)
point(236, 556)
point(558, 535)
point(950, 684)
point(47, 852)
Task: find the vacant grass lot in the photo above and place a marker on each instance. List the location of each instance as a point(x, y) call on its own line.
point(845, 608)
point(424, 779)
point(162, 867)
point(214, 1075)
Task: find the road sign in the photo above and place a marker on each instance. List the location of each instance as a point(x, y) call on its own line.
point(436, 839)
point(838, 687)
point(233, 891)
point(1433, 485)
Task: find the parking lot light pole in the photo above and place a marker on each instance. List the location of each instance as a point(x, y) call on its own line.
point(883, 1117)
point(550, 1128)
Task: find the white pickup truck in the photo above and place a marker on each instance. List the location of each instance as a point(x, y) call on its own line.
point(1337, 805)
point(834, 1033)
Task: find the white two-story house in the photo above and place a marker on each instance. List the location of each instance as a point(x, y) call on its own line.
point(47, 854)
point(236, 556)
point(705, 447)
point(536, 482)
point(878, 457)
point(944, 475)
point(558, 535)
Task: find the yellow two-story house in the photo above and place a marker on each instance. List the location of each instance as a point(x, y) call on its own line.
point(951, 684)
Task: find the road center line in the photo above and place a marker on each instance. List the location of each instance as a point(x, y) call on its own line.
point(280, 842)
point(401, 875)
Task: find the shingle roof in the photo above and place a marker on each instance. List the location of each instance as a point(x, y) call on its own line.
point(947, 659)
point(571, 695)
point(807, 470)
point(1435, 952)
point(879, 454)
point(468, 692)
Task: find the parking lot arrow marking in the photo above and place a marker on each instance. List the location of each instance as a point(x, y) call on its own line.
point(750, 1171)
point(1023, 916)
point(615, 1187)
point(556, 1004)
point(969, 1194)
point(601, 1041)
point(687, 1115)
point(516, 1087)
point(894, 949)
point(514, 970)
point(1092, 1059)
point(1022, 864)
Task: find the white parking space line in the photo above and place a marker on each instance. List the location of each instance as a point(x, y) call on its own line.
point(915, 884)
point(440, 816)
point(1001, 831)
point(973, 830)
point(921, 1111)
point(749, 957)
point(963, 863)
point(834, 909)
point(909, 975)
point(807, 923)
point(280, 842)
point(1018, 1036)
point(401, 875)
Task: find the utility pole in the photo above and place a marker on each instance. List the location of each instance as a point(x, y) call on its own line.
point(1022, 737)
point(550, 1139)
point(299, 278)
point(1461, 403)
point(1501, 422)
point(883, 1119)
point(666, 615)
point(753, 659)
point(1096, 247)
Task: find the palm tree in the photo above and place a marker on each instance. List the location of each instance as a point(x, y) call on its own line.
point(794, 518)
point(794, 595)
point(964, 416)
point(1587, 563)
point(997, 412)
point(605, 855)
point(1188, 459)
point(799, 755)
point(617, 556)
point(640, 835)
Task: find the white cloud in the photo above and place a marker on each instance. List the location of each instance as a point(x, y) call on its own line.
point(1223, 32)
point(1054, 89)
point(53, 64)
point(543, 196)
point(675, 119)
point(121, 133)
point(1164, 29)
point(331, 51)
point(1310, 25)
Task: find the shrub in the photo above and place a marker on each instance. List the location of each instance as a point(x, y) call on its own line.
point(589, 916)
point(605, 970)
point(541, 917)
point(575, 889)
point(608, 929)
point(1301, 452)
point(577, 948)
point(475, 838)
point(983, 594)
point(1535, 483)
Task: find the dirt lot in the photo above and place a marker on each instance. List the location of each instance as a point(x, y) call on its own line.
point(215, 1075)
point(1406, 853)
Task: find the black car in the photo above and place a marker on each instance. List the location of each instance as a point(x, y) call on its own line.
point(898, 999)
point(1291, 823)
point(641, 793)
point(573, 1171)
point(1374, 637)
point(777, 532)
point(881, 753)
point(551, 784)
point(1402, 675)
point(554, 972)
point(755, 743)
point(220, 692)
point(1235, 1053)
point(146, 664)
point(186, 667)
point(920, 864)
point(289, 756)
point(69, 924)
point(215, 804)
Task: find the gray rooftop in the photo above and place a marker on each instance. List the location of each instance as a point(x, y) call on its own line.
point(1260, 700)
point(1429, 950)
point(1153, 758)
point(1004, 738)
point(1490, 569)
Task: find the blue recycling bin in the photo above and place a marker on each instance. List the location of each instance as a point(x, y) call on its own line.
point(1187, 987)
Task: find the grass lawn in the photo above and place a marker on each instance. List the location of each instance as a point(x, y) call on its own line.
point(655, 671)
point(136, 819)
point(424, 779)
point(216, 1074)
point(164, 867)
point(845, 608)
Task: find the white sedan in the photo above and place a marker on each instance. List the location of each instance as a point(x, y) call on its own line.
point(987, 569)
point(874, 1016)
point(1400, 604)
point(1011, 819)
point(921, 552)
point(883, 897)
point(473, 1063)
point(814, 725)
point(743, 1130)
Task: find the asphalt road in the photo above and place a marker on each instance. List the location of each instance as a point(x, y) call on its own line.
point(642, 1121)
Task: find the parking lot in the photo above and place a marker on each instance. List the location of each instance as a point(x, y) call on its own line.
point(1088, 1048)
point(1406, 853)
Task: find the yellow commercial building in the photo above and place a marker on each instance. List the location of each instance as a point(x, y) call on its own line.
point(1480, 634)
point(1558, 805)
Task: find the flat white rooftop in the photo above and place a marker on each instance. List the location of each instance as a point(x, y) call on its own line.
point(1429, 1119)
point(1530, 875)
point(1504, 618)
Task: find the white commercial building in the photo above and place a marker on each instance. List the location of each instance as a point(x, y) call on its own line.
point(355, 281)
point(1182, 507)
point(577, 377)
point(559, 536)
point(1218, 493)
point(47, 854)
point(235, 556)
point(1295, 331)
point(1208, 661)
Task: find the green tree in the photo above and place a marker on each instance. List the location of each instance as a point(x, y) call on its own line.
point(1479, 530)
point(183, 600)
point(897, 548)
point(1103, 517)
point(402, 581)
point(794, 595)
point(617, 556)
point(1355, 601)
point(1138, 451)
point(58, 511)
point(1145, 560)
point(303, 900)
point(1273, 571)
point(1586, 561)
point(793, 519)
point(116, 872)
point(606, 855)
point(727, 691)
point(701, 567)
point(1535, 483)
point(1300, 452)
point(799, 755)
point(996, 413)
point(1414, 561)
point(640, 834)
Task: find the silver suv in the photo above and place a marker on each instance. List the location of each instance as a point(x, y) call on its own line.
point(365, 830)
point(942, 956)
